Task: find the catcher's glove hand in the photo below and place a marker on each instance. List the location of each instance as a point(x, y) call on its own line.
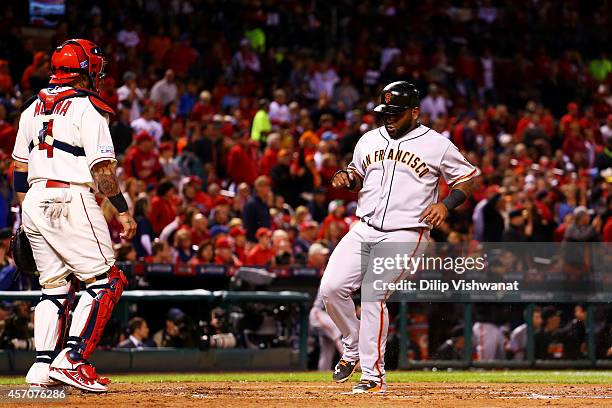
point(22, 253)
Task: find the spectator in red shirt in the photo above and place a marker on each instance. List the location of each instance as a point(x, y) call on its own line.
point(240, 164)
point(317, 256)
point(142, 161)
point(40, 59)
point(224, 255)
point(336, 212)
point(607, 231)
point(262, 253)
point(8, 130)
point(199, 229)
point(6, 82)
point(109, 93)
point(238, 234)
point(163, 206)
point(193, 195)
point(270, 155)
point(569, 118)
point(181, 56)
point(203, 110)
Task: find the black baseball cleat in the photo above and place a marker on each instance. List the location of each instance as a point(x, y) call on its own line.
point(344, 370)
point(368, 386)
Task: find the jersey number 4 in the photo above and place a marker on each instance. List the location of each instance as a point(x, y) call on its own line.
point(45, 138)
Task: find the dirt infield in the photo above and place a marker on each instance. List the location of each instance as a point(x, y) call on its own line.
point(287, 394)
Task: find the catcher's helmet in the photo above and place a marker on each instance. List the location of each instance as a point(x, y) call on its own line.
point(77, 57)
point(398, 97)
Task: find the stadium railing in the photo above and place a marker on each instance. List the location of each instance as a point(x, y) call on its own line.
point(200, 296)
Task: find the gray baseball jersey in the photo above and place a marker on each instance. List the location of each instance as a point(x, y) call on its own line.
point(400, 176)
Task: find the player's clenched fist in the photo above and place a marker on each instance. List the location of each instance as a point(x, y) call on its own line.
point(434, 215)
point(128, 224)
point(344, 178)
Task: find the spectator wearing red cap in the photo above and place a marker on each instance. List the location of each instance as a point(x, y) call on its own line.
point(141, 161)
point(262, 253)
point(163, 206)
point(238, 235)
point(307, 235)
point(224, 255)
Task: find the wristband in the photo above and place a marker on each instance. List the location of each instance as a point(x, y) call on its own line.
point(119, 202)
point(454, 199)
point(20, 181)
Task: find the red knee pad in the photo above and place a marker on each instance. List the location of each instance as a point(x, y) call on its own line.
point(117, 282)
point(102, 309)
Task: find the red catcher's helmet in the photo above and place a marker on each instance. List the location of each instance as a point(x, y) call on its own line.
point(78, 57)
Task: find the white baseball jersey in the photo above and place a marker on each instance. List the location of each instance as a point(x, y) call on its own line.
point(400, 176)
point(75, 122)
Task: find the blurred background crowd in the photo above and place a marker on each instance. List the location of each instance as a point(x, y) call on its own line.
point(231, 117)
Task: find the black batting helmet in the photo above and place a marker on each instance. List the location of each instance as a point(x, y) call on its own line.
point(398, 97)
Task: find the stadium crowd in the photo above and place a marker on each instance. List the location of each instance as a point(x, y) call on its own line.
point(231, 117)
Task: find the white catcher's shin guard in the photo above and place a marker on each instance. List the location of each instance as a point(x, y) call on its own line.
point(50, 321)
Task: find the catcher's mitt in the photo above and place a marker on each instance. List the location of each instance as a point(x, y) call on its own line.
point(22, 253)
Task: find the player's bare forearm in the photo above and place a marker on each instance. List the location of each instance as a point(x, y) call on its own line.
point(435, 214)
point(467, 187)
point(105, 177)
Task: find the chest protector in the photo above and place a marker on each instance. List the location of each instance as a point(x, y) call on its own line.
point(50, 100)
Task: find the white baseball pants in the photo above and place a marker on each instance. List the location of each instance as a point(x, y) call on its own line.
point(363, 340)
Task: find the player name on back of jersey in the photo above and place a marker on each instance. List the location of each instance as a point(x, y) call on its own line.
point(401, 156)
point(61, 108)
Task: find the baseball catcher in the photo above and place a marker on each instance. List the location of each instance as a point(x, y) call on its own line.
point(63, 154)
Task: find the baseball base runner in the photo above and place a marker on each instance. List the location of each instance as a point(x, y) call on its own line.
point(396, 169)
point(62, 152)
